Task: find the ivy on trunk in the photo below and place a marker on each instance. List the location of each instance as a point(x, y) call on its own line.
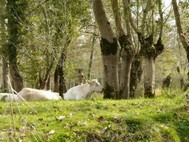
point(16, 17)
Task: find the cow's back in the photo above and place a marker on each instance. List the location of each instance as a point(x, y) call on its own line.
point(70, 95)
point(77, 93)
point(30, 94)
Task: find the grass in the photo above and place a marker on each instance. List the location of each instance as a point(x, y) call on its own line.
point(161, 119)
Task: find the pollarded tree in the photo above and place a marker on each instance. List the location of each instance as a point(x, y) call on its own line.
point(127, 50)
point(109, 50)
point(149, 50)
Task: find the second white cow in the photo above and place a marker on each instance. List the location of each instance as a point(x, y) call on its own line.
point(31, 94)
point(83, 91)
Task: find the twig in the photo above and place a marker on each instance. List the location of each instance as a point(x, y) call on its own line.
point(11, 110)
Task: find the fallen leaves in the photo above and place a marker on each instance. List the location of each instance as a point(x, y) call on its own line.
point(47, 135)
point(101, 119)
point(60, 118)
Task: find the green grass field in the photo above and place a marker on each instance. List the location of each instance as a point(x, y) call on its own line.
point(162, 119)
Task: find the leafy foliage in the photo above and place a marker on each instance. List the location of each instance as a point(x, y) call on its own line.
point(51, 26)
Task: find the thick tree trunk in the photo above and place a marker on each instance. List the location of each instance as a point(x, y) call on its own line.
point(3, 34)
point(109, 56)
point(16, 17)
point(150, 52)
point(127, 55)
point(127, 52)
point(125, 77)
point(149, 77)
point(109, 50)
point(136, 74)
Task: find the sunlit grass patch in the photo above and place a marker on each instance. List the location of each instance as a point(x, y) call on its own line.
point(159, 119)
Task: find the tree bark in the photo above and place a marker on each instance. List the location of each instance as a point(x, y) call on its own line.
point(16, 17)
point(3, 34)
point(182, 36)
point(127, 55)
point(127, 52)
point(91, 57)
point(43, 79)
point(148, 50)
point(136, 74)
point(109, 48)
point(59, 80)
point(5, 74)
point(136, 70)
point(149, 77)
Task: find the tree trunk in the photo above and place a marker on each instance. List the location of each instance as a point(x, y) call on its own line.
point(148, 51)
point(59, 80)
point(43, 80)
point(5, 74)
point(125, 77)
point(127, 52)
point(48, 84)
point(182, 36)
point(80, 76)
point(3, 34)
point(91, 58)
point(56, 82)
point(109, 48)
point(16, 78)
point(127, 55)
point(149, 77)
point(136, 74)
point(16, 17)
point(150, 54)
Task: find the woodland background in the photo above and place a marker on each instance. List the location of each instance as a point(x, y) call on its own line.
point(43, 44)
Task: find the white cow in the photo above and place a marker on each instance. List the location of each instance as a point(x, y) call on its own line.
point(83, 91)
point(9, 97)
point(30, 94)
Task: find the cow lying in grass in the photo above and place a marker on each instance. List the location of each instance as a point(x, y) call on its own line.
point(8, 97)
point(83, 91)
point(30, 94)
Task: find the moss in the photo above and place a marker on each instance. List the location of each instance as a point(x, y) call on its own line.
point(108, 48)
point(109, 91)
point(126, 47)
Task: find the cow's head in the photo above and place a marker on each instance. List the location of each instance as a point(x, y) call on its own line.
point(95, 85)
